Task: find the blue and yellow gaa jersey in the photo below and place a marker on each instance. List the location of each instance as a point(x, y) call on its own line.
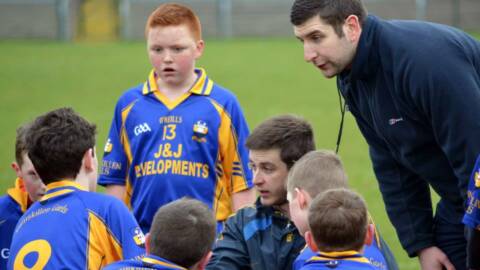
point(377, 253)
point(70, 228)
point(472, 214)
point(345, 260)
point(162, 150)
point(12, 207)
point(148, 262)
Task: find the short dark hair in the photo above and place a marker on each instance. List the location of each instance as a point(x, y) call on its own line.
point(289, 133)
point(333, 12)
point(183, 231)
point(338, 220)
point(20, 143)
point(56, 143)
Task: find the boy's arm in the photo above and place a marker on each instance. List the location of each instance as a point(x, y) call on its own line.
point(242, 199)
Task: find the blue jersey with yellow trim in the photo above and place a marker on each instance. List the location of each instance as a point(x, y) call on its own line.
point(70, 228)
point(12, 207)
point(148, 262)
point(345, 260)
point(377, 253)
point(472, 214)
point(162, 150)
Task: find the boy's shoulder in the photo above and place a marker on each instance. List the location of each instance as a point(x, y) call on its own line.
point(222, 95)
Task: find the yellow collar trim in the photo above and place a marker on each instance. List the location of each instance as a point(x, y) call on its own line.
point(59, 184)
point(337, 255)
point(202, 86)
point(19, 195)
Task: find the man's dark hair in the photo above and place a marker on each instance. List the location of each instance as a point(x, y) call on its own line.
point(333, 12)
point(291, 134)
point(183, 232)
point(20, 143)
point(56, 143)
point(338, 220)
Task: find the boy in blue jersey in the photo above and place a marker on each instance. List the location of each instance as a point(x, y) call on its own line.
point(314, 173)
point(181, 237)
point(179, 133)
point(472, 218)
point(262, 236)
point(69, 227)
point(338, 230)
point(28, 189)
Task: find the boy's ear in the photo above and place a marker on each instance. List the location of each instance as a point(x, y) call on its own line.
point(202, 264)
point(310, 241)
point(89, 160)
point(302, 198)
point(16, 168)
point(370, 234)
point(199, 45)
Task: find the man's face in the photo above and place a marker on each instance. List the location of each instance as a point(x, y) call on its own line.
point(298, 215)
point(32, 182)
point(172, 51)
point(324, 48)
point(269, 176)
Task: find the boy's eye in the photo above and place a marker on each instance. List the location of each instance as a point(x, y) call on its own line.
point(178, 49)
point(157, 49)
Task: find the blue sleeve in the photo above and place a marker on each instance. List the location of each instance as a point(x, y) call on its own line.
point(125, 229)
point(230, 250)
point(115, 164)
point(472, 213)
point(240, 132)
point(446, 93)
point(413, 224)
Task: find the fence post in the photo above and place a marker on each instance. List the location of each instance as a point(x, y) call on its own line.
point(421, 9)
point(125, 20)
point(62, 9)
point(224, 18)
point(456, 13)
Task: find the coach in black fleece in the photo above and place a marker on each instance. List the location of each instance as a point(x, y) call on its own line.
point(414, 89)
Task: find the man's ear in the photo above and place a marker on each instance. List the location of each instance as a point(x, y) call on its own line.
point(352, 28)
point(370, 234)
point(202, 264)
point(310, 241)
point(16, 168)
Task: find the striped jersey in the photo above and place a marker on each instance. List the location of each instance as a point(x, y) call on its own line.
point(12, 207)
point(162, 150)
point(148, 262)
point(377, 253)
point(344, 260)
point(472, 214)
point(70, 228)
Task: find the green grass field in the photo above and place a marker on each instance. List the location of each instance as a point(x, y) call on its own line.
point(268, 76)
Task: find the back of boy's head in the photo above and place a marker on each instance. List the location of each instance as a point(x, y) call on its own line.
point(338, 220)
point(20, 143)
point(171, 14)
point(316, 172)
point(289, 133)
point(183, 232)
point(56, 143)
